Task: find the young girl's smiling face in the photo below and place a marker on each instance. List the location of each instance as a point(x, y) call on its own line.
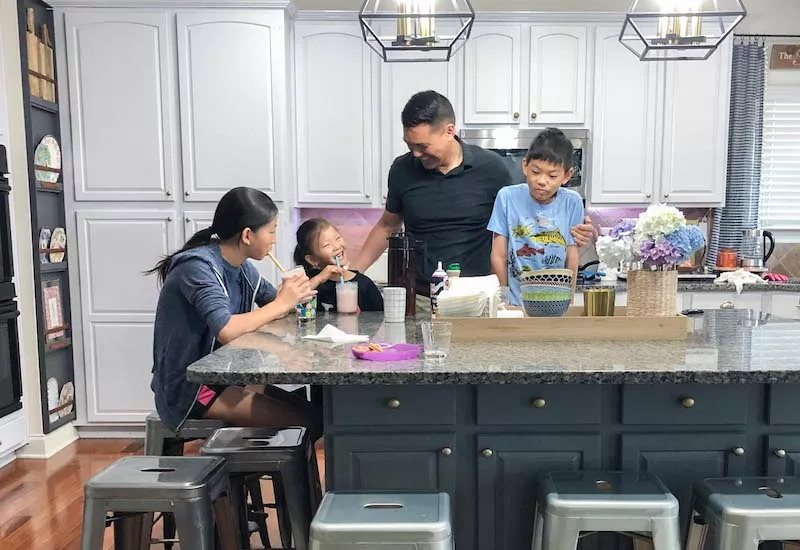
point(330, 244)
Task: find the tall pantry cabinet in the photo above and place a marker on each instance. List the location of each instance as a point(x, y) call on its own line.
point(168, 110)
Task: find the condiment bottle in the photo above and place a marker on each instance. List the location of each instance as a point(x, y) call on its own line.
point(438, 284)
point(453, 271)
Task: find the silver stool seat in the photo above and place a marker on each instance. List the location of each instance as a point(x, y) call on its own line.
point(288, 457)
point(194, 489)
point(569, 503)
point(740, 513)
point(347, 520)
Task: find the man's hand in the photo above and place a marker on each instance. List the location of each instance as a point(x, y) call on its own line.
point(585, 233)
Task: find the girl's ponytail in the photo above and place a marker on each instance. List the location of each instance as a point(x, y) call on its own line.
point(202, 237)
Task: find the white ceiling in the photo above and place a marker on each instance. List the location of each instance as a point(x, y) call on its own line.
point(764, 16)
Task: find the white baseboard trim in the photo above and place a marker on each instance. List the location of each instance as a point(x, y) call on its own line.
point(46, 445)
point(7, 459)
point(132, 431)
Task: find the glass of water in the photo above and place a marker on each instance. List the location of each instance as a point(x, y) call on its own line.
point(436, 336)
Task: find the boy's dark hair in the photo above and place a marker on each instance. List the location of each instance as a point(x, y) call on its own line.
point(428, 107)
point(551, 145)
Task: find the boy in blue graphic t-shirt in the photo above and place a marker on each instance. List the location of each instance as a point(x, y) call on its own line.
point(531, 221)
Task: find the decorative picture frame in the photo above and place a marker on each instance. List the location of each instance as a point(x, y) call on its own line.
point(53, 310)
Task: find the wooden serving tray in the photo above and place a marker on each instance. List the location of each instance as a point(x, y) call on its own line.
point(573, 327)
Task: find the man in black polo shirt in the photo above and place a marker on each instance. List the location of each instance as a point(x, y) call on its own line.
point(444, 191)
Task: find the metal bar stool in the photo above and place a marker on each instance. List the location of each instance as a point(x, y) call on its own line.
point(740, 513)
point(571, 503)
point(286, 455)
point(194, 489)
point(346, 520)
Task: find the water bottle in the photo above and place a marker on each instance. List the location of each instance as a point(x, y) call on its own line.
point(438, 284)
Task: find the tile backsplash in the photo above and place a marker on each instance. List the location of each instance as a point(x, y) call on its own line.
point(355, 224)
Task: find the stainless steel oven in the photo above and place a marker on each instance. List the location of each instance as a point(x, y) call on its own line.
point(512, 145)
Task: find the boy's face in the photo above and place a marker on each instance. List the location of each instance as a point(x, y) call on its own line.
point(544, 178)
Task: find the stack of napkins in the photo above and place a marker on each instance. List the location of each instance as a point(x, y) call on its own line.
point(332, 334)
point(469, 297)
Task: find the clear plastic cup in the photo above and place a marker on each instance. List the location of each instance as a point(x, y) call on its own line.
point(347, 297)
point(436, 336)
point(307, 310)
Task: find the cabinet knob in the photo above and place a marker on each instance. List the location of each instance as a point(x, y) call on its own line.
point(726, 305)
point(539, 403)
point(384, 198)
point(487, 453)
point(666, 195)
point(533, 115)
point(738, 451)
point(687, 402)
point(188, 219)
point(368, 195)
point(648, 195)
point(447, 451)
point(516, 116)
point(169, 193)
point(169, 218)
point(780, 453)
point(187, 193)
point(393, 403)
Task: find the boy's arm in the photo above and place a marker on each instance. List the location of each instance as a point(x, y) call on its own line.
point(499, 258)
point(572, 263)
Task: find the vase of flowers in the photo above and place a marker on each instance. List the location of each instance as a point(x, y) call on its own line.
point(650, 249)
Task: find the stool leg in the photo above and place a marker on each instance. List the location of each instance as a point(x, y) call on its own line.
point(195, 522)
point(129, 532)
point(729, 537)
point(94, 524)
point(225, 519)
point(538, 520)
point(154, 439)
point(560, 533)
point(257, 504)
point(666, 534)
point(313, 476)
point(298, 501)
point(238, 496)
point(284, 525)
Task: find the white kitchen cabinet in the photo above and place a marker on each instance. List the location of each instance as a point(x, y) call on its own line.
point(232, 72)
point(695, 138)
point(557, 74)
point(118, 306)
point(786, 304)
point(759, 301)
point(399, 81)
point(625, 123)
point(121, 104)
point(492, 74)
point(336, 109)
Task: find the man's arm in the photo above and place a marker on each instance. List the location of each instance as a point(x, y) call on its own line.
point(376, 241)
point(572, 263)
point(499, 258)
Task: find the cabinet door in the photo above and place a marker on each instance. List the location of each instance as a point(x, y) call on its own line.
point(336, 112)
point(399, 81)
point(783, 455)
point(394, 462)
point(557, 74)
point(679, 459)
point(121, 105)
point(506, 480)
point(696, 113)
point(232, 95)
point(623, 146)
point(786, 304)
point(118, 307)
point(492, 65)
point(195, 220)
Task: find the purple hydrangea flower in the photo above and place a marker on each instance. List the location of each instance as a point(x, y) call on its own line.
point(622, 229)
point(660, 254)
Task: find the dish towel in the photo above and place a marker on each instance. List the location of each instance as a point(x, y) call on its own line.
point(739, 278)
point(332, 334)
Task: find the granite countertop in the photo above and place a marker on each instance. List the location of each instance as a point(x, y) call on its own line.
point(724, 346)
point(702, 286)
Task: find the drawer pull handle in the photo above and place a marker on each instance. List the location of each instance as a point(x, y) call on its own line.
point(539, 403)
point(393, 403)
point(726, 305)
point(447, 451)
point(487, 453)
point(687, 402)
point(780, 453)
point(738, 451)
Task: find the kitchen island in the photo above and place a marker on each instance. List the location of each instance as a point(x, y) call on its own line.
point(482, 423)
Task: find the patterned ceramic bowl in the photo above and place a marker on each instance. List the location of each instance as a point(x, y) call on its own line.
point(545, 301)
point(548, 277)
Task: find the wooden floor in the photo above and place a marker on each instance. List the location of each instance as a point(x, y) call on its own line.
point(41, 501)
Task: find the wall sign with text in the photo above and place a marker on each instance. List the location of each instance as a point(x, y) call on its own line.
point(785, 56)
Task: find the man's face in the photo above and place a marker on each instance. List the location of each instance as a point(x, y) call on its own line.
point(430, 144)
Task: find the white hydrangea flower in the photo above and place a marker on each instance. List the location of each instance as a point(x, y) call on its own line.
point(659, 220)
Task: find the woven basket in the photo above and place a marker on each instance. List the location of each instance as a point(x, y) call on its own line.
point(652, 293)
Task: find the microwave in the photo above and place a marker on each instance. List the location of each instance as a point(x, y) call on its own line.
point(512, 145)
